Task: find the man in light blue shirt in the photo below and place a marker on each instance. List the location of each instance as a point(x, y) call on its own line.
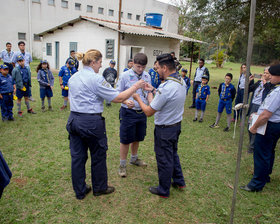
point(199, 72)
point(27, 60)
point(264, 146)
point(133, 121)
point(168, 107)
point(7, 56)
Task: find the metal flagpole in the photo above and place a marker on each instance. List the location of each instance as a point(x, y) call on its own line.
point(244, 109)
point(119, 36)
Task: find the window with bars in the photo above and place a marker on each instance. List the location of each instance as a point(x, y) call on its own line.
point(89, 8)
point(49, 49)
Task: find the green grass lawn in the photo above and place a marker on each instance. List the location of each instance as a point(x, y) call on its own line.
point(36, 148)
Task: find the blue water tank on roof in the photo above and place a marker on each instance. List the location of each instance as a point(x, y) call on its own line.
point(153, 19)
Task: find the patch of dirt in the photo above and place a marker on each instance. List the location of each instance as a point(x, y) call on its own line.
point(20, 182)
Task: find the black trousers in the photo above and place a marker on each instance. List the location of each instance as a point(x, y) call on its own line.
point(195, 86)
point(168, 162)
point(87, 131)
point(264, 154)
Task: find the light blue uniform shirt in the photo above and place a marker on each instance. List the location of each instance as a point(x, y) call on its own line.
point(242, 82)
point(6, 56)
point(87, 91)
point(257, 98)
point(199, 74)
point(272, 104)
point(169, 102)
point(128, 79)
point(27, 58)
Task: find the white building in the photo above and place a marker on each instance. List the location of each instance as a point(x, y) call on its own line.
point(22, 19)
point(86, 33)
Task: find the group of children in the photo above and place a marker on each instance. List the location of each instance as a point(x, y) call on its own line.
point(16, 86)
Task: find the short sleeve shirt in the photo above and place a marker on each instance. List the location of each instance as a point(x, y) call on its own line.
point(169, 102)
point(26, 55)
point(128, 79)
point(87, 91)
point(272, 104)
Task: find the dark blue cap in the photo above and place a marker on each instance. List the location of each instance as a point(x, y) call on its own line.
point(184, 70)
point(20, 58)
point(71, 63)
point(205, 77)
point(43, 61)
point(113, 62)
point(4, 66)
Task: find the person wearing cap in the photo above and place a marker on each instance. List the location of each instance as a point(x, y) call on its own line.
point(187, 80)
point(46, 82)
point(27, 60)
point(86, 126)
point(133, 121)
point(264, 145)
point(64, 75)
point(7, 56)
point(168, 108)
point(129, 65)
point(202, 95)
point(226, 93)
point(22, 76)
point(7, 90)
point(154, 76)
point(259, 90)
point(200, 71)
point(177, 63)
point(73, 57)
point(110, 74)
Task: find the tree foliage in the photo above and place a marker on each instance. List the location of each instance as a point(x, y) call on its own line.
point(227, 22)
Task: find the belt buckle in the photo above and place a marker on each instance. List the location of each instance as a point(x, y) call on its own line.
point(10, 94)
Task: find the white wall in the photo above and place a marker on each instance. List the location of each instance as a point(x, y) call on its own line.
point(45, 16)
point(87, 34)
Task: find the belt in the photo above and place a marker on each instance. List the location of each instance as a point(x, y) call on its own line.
point(201, 99)
point(168, 126)
point(225, 99)
point(8, 63)
point(93, 114)
point(7, 93)
point(137, 111)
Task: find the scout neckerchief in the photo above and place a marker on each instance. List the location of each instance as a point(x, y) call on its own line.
point(224, 90)
point(175, 77)
point(260, 89)
point(201, 86)
point(139, 77)
point(46, 74)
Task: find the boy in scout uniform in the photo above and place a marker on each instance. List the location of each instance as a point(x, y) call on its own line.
point(65, 74)
point(264, 146)
point(22, 76)
point(168, 108)
point(202, 95)
point(133, 121)
point(226, 93)
point(7, 88)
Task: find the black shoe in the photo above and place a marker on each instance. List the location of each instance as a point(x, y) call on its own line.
point(200, 120)
point(11, 119)
point(192, 106)
point(108, 191)
point(30, 111)
point(88, 189)
point(194, 119)
point(246, 188)
point(177, 186)
point(154, 190)
point(226, 129)
point(250, 150)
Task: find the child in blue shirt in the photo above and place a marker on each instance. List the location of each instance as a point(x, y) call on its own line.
point(202, 95)
point(187, 80)
point(65, 74)
point(46, 82)
point(154, 76)
point(7, 90)
point(227, 93)
point(22, 76)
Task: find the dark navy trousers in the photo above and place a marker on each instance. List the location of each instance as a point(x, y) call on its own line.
point(87, 131)
point(264, 154)
point(195, 86)
point(168, 162)
point(7, 105)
